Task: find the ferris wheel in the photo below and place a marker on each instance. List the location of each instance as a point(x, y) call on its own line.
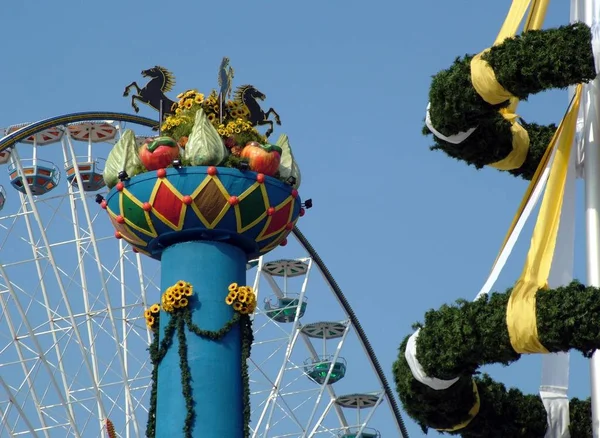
point(73, 337)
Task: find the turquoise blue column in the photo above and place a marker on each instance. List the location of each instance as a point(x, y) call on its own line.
point(215, 366)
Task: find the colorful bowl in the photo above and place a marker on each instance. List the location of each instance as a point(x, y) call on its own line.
point(160, 208)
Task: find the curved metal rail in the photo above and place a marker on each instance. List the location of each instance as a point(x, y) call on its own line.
point(359, 330)
point(34, 128)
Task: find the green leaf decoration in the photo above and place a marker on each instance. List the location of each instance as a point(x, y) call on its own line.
point(123, 156)
point(204, 147)
point(181, 319)
point(288, 166)
point(535, 61)
point(456, 340)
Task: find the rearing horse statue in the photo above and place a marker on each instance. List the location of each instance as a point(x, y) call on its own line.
point(248, 95)
point(161, 82)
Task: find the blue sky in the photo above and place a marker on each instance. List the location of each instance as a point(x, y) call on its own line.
point(402, 229)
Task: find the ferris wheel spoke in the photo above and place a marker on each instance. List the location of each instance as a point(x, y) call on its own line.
point(18, 341)
point(4, 418)
point(14, 402)
point(319, 423)
point(281, 404)
point(46, 304)
point(80, 268)
point(121, 356)
point(14, 220)
point(57, 275)
point(39, 351)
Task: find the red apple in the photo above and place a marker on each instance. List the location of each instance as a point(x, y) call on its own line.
point(158, 153)
point(262, 158)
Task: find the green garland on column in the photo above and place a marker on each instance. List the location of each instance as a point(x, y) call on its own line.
point(157, 353)
point(455, 341)
point(186, 377)
point(180, 320)
point(533, 62)
point(247, 340)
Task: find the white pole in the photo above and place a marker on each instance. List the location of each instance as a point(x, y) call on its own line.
point(592, 201)
point(588, 11)
point(592, 207)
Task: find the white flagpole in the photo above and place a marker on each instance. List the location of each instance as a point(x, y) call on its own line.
point(589, 12)
point(592, 208)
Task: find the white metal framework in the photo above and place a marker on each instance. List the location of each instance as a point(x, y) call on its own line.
point(73, 338)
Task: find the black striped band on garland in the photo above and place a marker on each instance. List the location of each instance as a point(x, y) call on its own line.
point(533, 62)
point(455, 341)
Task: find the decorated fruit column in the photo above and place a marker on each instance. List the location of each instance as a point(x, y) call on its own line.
point(203, 224)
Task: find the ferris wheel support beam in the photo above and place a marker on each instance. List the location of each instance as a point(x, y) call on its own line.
point(50, 256)
point(39, 350)
point(128, 406)
point(142, 282)
point(111, 316)
point(322, 417)
point(4, 421)
point(14, 402)
point(84, 288)
point(43, 289)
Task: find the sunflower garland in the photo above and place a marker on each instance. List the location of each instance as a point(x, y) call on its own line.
point(455, 341)
point(181, 319)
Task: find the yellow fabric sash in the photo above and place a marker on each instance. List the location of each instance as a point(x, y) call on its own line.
point(521, 310)
point(472, 413)
point(487, 86)
point(526, 197)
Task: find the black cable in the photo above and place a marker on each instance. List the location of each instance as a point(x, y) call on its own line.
point(359, 330)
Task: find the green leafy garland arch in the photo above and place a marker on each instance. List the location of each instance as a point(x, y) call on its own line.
point(536, 61)
point(455, 341)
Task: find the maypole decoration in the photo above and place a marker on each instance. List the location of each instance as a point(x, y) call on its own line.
point(472, 106)
point(206, 196)
point(471, 115)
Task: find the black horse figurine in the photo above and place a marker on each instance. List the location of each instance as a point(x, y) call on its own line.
point(161, 82)
point(248, 95)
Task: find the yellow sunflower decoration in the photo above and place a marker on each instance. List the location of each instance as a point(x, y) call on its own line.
point(150, 315)
point(241, 298)
point(177, 296)
point(232, 123)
